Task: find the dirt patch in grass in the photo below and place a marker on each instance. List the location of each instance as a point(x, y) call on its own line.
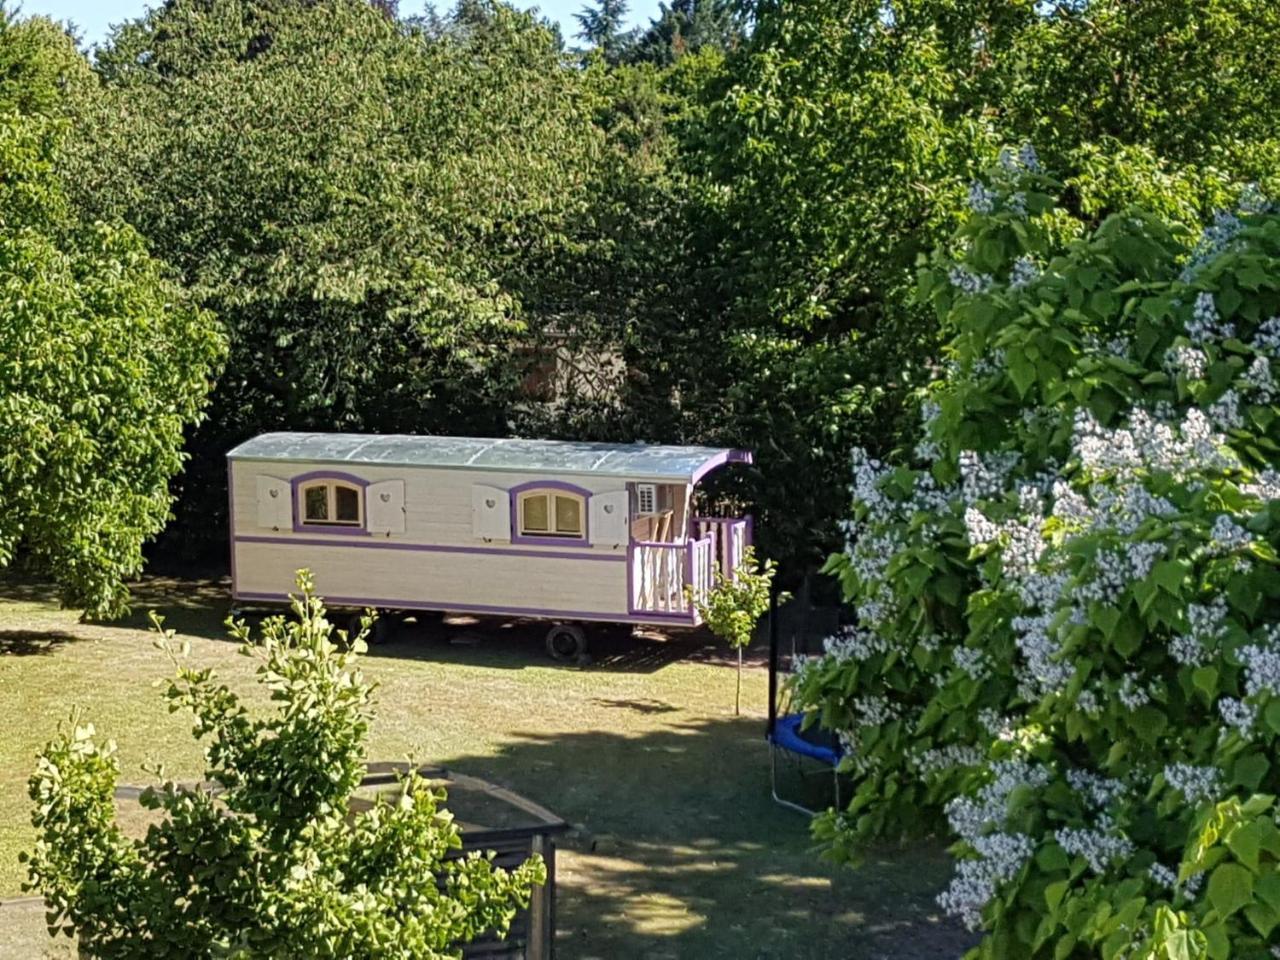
point(676, 850)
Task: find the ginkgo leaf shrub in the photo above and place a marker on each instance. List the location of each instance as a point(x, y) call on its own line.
point(270, 862)
point(1067, 651)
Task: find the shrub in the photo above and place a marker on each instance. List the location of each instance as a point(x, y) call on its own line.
point(1067, 646)
point(270, 863)
point(734, 605)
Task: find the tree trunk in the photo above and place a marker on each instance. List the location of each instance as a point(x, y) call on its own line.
point(737, 696)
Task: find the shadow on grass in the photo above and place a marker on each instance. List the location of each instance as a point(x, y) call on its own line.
point(31, 643)
point(679, 852)
point(517, 644)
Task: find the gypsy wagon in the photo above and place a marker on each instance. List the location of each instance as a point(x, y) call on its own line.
point(554, 530)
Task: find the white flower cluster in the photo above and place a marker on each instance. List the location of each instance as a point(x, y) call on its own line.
point(1101, 847)
point(1188, 361)
point(971, 817)
point(981, 198)
point(1266, 339)
point(1258, 379)
point(1225, 411)
point(1025, 160)
point(1196, 784)
point(1207, 624)
point(1238, 715)
point(927, 448)
point(971, 661)
point(874, 711)
point(1206, 324)
point(1215, 238)
point(990, 365)
point(1097, 791)
point(928, 762)
point(1132, 693)
point(1266, 486)
point(966, 281)
point(854, 644)
point(1000, 728)
point(999, 858)
point(983, 477)
point(1024, 273)
point(1165, 876)
point(1115, 569)
point(1227, 536)
point(1262, 665)
point(1188, 447)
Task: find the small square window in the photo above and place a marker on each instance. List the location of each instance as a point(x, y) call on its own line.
point(317, 500)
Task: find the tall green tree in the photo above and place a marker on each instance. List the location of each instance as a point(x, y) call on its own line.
point(357, 198)
point(687, 26)
point(103, 363)
point(833, 151)
point(603, 26)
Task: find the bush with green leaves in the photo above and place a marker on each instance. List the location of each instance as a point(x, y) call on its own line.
point(734, 605)
point(103, 364)
point(266, 860)
point(1068, 650)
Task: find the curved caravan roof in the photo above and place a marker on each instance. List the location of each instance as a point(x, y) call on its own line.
point(633, 461)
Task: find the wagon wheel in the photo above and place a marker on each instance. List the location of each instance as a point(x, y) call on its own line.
point(566, 641)
point(381, 631)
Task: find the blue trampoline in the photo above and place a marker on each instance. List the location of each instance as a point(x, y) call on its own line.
point(786, 732)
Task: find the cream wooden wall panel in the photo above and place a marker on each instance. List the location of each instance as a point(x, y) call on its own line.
point(437, 502)
point(388, 577)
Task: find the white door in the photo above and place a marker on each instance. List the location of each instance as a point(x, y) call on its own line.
point(609, 520)
point(490, 513)
point(275, 512)
point(384, 505)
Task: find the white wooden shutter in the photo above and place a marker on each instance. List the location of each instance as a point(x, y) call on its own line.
point(384, 505)
point(609, 519)
point(646, 498)
point(490, 512)
point(275, 512)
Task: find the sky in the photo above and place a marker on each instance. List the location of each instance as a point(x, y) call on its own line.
point(94, 16)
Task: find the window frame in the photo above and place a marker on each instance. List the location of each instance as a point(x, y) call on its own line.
point(549, 489)
point(331, 481)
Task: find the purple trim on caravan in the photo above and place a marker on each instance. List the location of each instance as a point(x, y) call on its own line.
point(295, 486)
point(426, 548)
point(719, 460)
point(231, 519)
point(655, 618)
point(513, 495)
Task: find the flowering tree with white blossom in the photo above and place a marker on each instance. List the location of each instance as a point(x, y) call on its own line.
point(1068, 642)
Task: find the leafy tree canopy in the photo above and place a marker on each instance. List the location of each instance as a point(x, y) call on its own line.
point(355, 196)
point(102, 362)
point(268, 858)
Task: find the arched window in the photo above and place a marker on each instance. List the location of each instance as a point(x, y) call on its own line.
point(329, 502)
point(554, 512)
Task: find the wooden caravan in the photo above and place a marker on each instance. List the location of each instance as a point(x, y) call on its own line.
point(537, 528)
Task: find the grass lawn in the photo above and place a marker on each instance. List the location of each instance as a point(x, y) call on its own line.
point(677, 850)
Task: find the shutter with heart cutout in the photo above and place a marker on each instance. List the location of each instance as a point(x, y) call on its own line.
point(275, 512)
point(609, 519)
point(384, 506)
point(490, 513)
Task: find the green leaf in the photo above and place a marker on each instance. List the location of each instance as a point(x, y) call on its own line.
point(1230, 888)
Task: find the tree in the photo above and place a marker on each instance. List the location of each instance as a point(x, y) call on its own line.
point(270, 862)
point(603, 27)
point(1067, 595)
point(356, 198)
point(734, 605)
point(103, 362)
point(688, 26)
point(833, 151)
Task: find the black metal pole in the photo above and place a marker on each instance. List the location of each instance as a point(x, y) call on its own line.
point(773, 658)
